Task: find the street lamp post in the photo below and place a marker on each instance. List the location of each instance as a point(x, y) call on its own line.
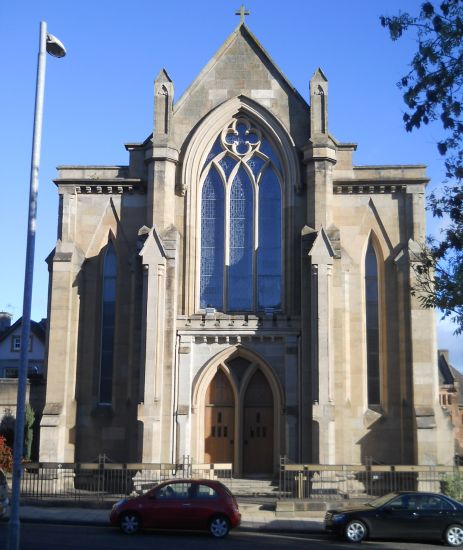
point(48, 44)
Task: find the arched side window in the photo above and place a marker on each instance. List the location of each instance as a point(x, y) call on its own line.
point(269, 251)
point(372, 325)
point(212, 241)
point(241, 250)
point(108, 324)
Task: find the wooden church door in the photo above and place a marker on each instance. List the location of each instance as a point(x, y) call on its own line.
point(258, 427)
point(219, 420)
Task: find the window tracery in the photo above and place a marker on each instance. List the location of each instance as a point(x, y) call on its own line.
point(241, 221)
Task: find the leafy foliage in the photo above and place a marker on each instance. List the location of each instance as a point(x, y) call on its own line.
point(7, 426)
point(6, 456)
point(433, 86)
point(438, 287)
point(433, 91)
point(28, 431)
point(452, 485)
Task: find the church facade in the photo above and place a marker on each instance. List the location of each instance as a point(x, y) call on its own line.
point(240, 290)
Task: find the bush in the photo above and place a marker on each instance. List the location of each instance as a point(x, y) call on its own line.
point(6, 456)
point(452, 485)
point(28, 431)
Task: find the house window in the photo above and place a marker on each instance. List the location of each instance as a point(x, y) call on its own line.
point(108, 323)
point(34, 371)
point(11, 372)
point(372, 325)
point(241, 222)
point(16, 343)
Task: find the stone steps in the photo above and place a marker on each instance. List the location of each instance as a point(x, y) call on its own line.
point(243, 487)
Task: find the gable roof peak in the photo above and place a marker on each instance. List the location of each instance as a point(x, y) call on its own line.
point(319, 75)
point(241, 32)
point(163, 76)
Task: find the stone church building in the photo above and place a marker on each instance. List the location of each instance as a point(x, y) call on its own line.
point(241, 290)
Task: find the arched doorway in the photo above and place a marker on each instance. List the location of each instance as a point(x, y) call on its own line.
point(219, 421)
point(258, 426)
point(236, 419)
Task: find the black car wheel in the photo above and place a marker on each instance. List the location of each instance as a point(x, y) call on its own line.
point(355, 531)
point(130, 523)
point(453, 535)
point(219, 527)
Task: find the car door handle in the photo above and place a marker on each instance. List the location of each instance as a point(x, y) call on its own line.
point(415, 515)
point(186, 504)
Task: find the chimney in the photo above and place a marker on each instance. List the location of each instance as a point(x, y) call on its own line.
point(5, 321)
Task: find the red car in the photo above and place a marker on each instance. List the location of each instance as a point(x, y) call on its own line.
point(199, 504)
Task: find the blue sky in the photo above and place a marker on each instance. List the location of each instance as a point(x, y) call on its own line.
point(100, 95)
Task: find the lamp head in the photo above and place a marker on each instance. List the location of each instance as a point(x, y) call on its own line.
point(55, 47)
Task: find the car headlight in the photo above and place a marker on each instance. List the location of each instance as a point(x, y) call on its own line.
point(119, 503)
point(338, 517)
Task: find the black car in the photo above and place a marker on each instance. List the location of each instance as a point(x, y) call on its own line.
point(401, 515)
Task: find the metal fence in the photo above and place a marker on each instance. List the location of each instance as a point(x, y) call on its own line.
point(329, 482)
point(107, 481)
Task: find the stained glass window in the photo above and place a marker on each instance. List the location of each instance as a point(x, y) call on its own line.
point(256, 164)
point(212, 241)
point(267, 149)
point(269, 251)
point(241, 243)
point(251, 268)
point(372, 324)
point(108, 323)
point(216, 149)
point(227, 163)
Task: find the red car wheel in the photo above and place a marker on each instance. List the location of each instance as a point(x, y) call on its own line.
point(130, 523)
point(219, 527)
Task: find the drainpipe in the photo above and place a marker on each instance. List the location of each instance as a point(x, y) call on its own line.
point(175, 401)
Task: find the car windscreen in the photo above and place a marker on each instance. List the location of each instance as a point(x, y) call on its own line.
point(226, 489)
point(382, 500)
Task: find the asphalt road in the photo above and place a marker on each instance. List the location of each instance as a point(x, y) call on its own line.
point(67, 537)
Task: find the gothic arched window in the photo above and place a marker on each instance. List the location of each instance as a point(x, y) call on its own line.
point(212, 240)
point(241, 222)
point(372, 324)
point(241, 243)
point(108, 324)
point(269, 251)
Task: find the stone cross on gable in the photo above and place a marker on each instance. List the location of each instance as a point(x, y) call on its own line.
point(242, 12)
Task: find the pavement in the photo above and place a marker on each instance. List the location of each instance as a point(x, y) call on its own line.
point(254, 517)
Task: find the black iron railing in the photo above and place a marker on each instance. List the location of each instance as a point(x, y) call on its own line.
point(109, 481)
point(327, 482)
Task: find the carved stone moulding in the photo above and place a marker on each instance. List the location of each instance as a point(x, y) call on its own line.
point(368, 189)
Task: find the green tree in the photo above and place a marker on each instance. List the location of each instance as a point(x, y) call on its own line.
point(6, 456)
point(28, 431)
point(433, 91)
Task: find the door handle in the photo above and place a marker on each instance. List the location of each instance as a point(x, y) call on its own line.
point(186, 504)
